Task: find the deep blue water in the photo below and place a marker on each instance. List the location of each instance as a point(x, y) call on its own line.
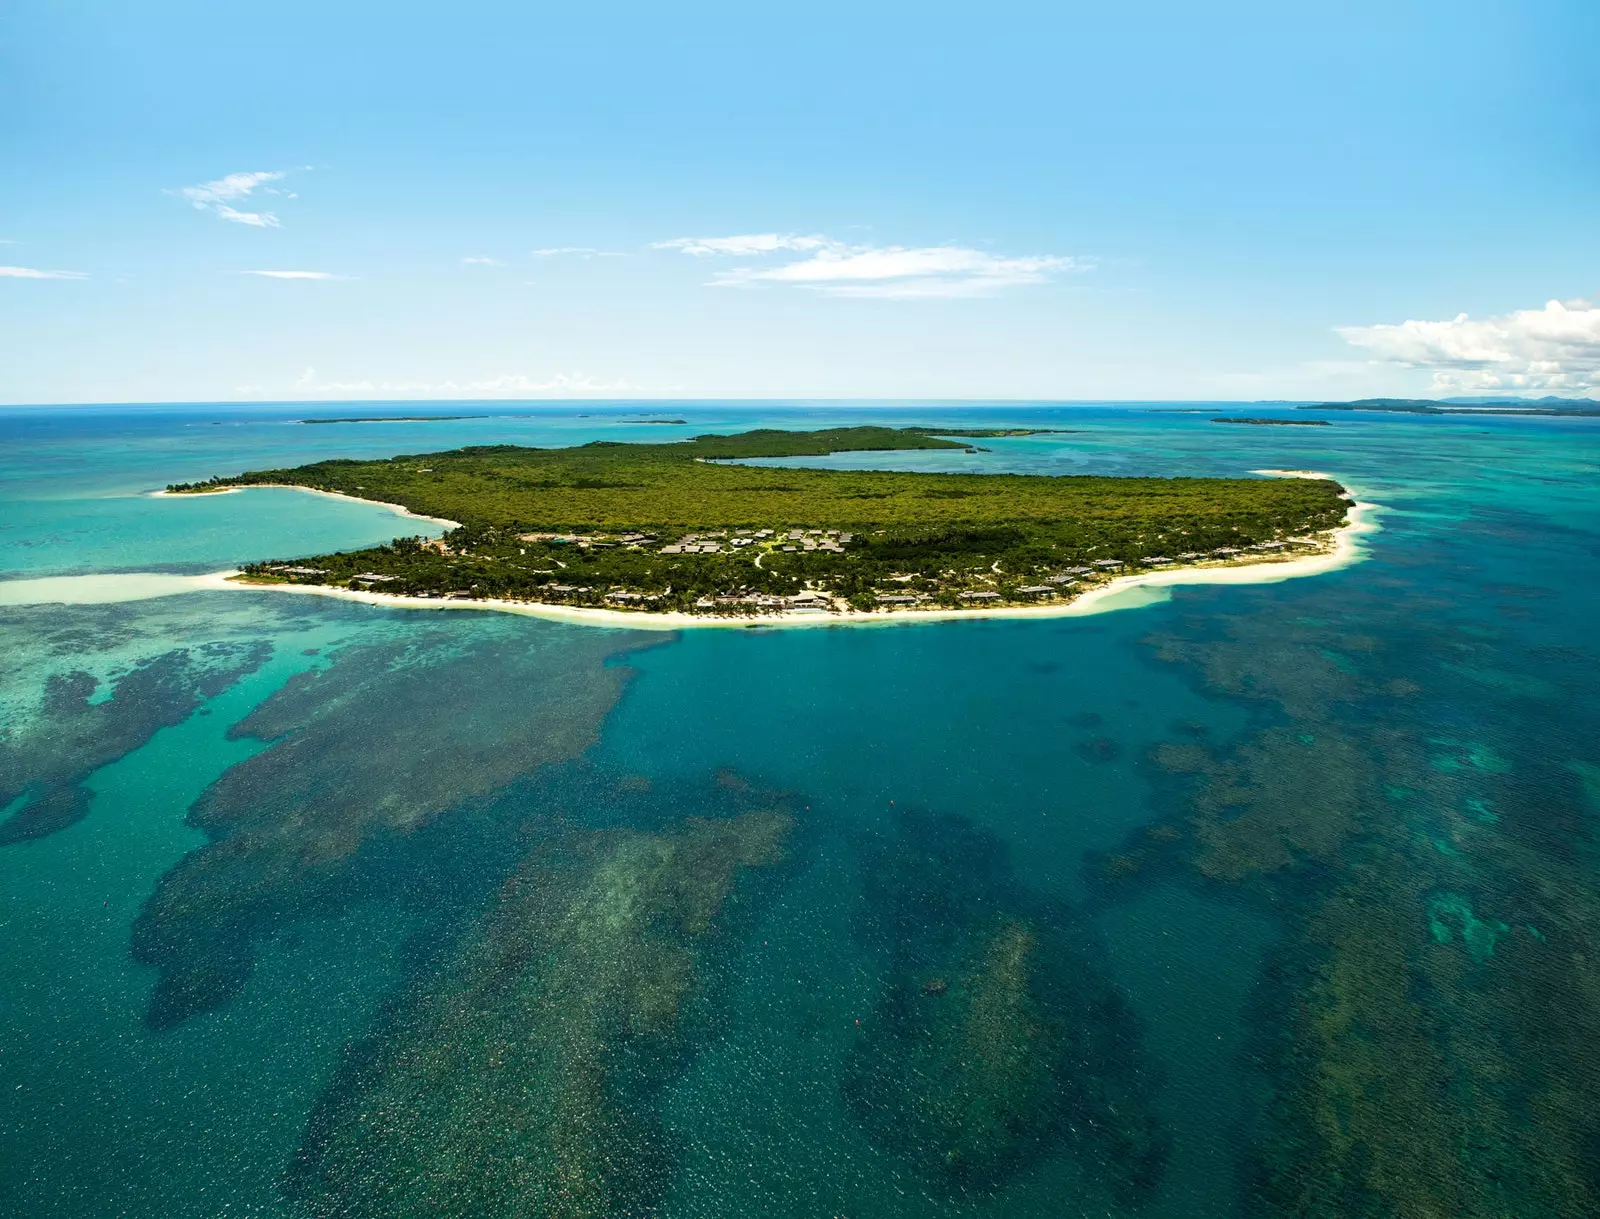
point(315, 908)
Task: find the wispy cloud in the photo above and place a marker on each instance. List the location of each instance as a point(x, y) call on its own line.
point(505, 385)
point(218, 197)
point(481, 261)
point(36, 273)
point(296, 274)
point(838, 268)
point(1553, 350)
point(747, 243)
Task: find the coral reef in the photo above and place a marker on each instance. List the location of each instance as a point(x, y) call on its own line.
point(519, 1077)
point(999, 1040)
point(46, 756)
point(364, 755)
point(1430, 1019)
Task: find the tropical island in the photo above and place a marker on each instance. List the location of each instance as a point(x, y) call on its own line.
point(395, 419)
point(1547, 406)
point(689, 527)
point(1263, 422)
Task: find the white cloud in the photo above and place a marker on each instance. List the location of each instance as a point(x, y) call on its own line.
point(889, 272)
point(483, 262)
point(217, 196)
point(295, 274)
point(35, 273)
point(747, 243)
point(1552, 350)
point(897, 272)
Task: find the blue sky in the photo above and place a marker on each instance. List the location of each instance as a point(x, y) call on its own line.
point(1141, 200)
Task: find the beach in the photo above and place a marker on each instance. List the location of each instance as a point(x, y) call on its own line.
point(397, 509)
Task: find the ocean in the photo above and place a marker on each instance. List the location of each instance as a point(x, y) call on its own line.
point(1245, 901)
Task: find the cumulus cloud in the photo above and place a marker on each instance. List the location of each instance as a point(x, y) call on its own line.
point(36, 273)
point(1551, 350)
point(295, 274)
point(889, 272)
point(505, 385)
point(481, 261)
point(218, 197)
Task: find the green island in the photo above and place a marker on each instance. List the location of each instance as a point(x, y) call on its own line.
point(686, 526)
point(395, 419)
point(1259, 422)
point(1578, 408)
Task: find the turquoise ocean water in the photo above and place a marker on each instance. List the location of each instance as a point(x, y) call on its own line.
point(1259, 900)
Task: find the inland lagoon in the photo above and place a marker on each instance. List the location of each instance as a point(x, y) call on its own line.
point(1232, 899)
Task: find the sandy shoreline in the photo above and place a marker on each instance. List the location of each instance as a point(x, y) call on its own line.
point(397, 509)
point(1124, 592)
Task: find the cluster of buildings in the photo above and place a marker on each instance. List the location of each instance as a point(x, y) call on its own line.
point(793, 541)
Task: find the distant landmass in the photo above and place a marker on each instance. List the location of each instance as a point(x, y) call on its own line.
point(1259, 422)
point(395, 419)
point(1547, 406)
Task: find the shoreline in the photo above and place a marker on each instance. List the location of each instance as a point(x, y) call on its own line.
point(397, 509)
point(1122, 592)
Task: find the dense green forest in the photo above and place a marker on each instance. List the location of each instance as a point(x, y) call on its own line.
point(683, 526)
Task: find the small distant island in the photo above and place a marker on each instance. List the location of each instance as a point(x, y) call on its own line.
point(1547, 407)
point(395, 419)
point(687, 527)
point(1272, 422)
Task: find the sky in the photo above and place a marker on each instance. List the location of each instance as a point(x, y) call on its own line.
point(1063, 201)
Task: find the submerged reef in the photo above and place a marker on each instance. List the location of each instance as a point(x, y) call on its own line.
point(1428, 1022)
point(363, 755)
point(999, 1040)
point(48, 753)
point(520, 1076)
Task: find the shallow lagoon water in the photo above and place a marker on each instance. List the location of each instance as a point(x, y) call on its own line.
point(1309, 867)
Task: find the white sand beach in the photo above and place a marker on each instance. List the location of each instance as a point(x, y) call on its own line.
point(397, 509)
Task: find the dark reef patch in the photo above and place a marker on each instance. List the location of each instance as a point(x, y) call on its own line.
point(521, 1074)
point(1099, 749)
point(44, 762)
point(365, 755)
point(999, 1040)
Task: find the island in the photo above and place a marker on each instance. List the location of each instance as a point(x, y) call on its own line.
point(1261, 422)
point(1547, 407)
point(395, 419)
point(691, 527)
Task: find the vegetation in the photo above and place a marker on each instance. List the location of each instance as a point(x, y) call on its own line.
point(1579, 407)
point(1272, 422)
point(669, 526)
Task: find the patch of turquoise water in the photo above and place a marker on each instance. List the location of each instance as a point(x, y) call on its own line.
point(1036, 731)
point(186, 533)
point(1481, 810)
point(1450, 914)
point(1467, 755)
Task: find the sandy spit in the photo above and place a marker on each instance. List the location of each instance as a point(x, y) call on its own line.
point(397, 509)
